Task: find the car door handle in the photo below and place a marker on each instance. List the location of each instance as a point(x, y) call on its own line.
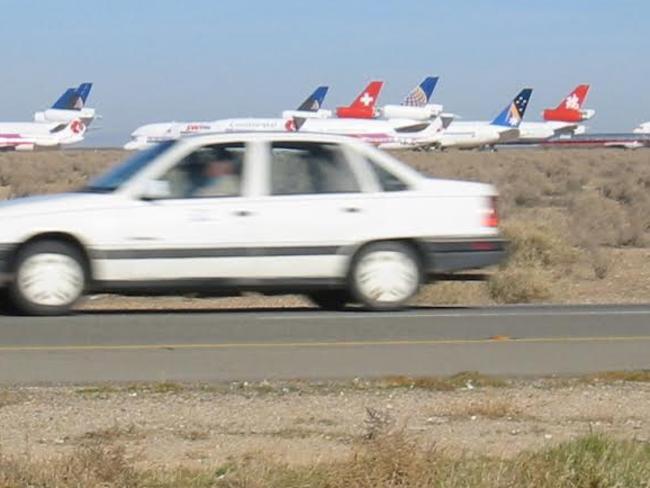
point(351, 209)
point(242, 213)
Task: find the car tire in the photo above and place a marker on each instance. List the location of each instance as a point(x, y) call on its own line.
point(385, 275)
point(330, 299)
point(49, 278)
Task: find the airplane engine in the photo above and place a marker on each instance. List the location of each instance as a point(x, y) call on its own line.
point(58, 115)
point(320, 114)
point(414, 113)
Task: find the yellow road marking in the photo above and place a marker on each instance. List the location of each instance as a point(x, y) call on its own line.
point(271, 345)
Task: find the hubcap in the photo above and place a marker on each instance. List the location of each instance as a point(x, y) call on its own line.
point(50, 279)
point(387, 276)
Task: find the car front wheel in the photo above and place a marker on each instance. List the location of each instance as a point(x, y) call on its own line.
point(385, 275)
point(49, 277)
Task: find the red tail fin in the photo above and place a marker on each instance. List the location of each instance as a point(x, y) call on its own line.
point(363, 107)
point(575, 99)
point(570, 109)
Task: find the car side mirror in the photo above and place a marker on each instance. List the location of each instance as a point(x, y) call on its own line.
point(156, 190)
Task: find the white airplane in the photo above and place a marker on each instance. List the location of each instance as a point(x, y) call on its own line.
point(504, 128)
point(150, 134)
point(563, 120)
point(396, 133)
point(71, 105)
point(26, 136)
point(644, 128)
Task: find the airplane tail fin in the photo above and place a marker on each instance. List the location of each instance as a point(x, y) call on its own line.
point(570, 108)
point(314, 102)
point(512, 115)
point(73, 98)
point(368, 97)
point(421, 94)
point(575, 99)
point(66, 101)
point(363, 107)
point(83, 91)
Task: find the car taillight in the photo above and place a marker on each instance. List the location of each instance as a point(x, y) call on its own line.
point(491, 218)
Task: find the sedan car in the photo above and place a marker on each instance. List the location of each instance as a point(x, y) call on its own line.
point(325, 216)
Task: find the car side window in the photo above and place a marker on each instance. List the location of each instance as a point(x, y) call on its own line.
point(301, 168)
point(208, 172)
point(387, 180)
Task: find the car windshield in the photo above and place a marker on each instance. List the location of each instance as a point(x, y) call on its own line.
point(117, 176)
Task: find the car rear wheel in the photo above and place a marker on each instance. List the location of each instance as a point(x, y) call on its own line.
point(330, 299)
point(385, 275)
point(49, 278)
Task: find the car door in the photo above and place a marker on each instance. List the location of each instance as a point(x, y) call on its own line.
point(311, 210)
point(192, 225)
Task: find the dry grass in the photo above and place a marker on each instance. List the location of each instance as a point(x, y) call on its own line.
point(388, 460)
point(467, 379)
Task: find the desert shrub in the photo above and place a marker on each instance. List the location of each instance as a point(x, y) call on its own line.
point(597, 220)
point(517, 284)
point(534, 244)
point(601, 262)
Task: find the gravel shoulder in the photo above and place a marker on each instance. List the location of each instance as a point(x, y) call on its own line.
point(205, 425)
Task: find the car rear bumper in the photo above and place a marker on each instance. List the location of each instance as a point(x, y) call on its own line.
point(463, 254)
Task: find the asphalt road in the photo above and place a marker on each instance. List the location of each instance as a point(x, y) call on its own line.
point(307, 344)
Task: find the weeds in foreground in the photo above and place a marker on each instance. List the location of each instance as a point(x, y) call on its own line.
point(388, 460)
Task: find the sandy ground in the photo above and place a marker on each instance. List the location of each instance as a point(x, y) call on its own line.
point(171, 425)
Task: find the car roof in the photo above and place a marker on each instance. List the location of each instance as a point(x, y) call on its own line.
point(270, 136)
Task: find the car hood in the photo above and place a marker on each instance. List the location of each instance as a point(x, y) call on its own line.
point(56, 204)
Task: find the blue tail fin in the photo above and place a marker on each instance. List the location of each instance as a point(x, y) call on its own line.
point(66, 101)
point(512, 115)
point(314, 102)
point(421, 94)
point(83, 91)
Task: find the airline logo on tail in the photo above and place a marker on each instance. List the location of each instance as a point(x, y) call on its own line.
point(576, 98)
point(513, 114)
point(314, 102)
point(74, 98)
point(368, 97)
point(363, 107)
point(570, 108)
point(421, 94)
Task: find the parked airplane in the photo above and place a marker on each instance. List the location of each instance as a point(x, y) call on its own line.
point(399, 133)
point(26, 136)
point(563, 120)
point(149, 134)
point(504, 127)
point(69, 106)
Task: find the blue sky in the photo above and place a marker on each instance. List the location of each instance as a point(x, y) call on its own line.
point(161, 60)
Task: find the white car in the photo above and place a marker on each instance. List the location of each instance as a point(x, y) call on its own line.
point(325, 216)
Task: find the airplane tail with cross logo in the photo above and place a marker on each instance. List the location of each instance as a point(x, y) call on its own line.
point(570, 108)
point(363, 107)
